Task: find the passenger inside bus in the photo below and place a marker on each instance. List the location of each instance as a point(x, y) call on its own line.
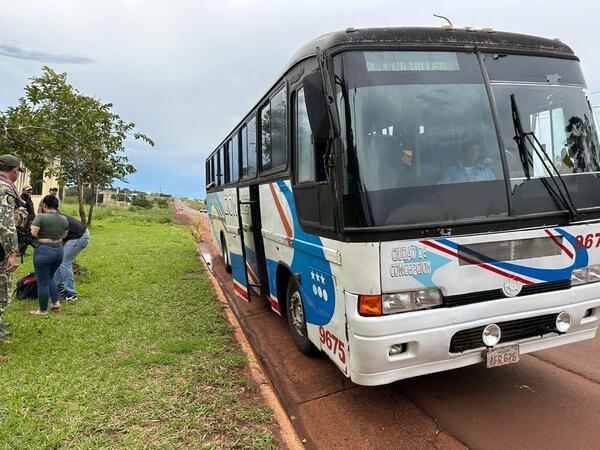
point(394, 163)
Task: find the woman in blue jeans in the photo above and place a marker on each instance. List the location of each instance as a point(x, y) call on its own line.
point(50, 228)
point(77, 239)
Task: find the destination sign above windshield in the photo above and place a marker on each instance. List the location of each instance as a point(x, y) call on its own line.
point(387, 61)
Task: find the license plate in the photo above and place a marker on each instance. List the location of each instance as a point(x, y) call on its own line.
point(500, 356)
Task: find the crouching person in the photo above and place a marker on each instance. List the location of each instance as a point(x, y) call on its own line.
point(76, 240)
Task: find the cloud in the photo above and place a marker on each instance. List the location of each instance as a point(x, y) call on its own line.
point(14, 51)
point(137, 150)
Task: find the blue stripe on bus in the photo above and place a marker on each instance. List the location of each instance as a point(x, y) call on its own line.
point(581, 260)
point(238, 270)
point(316, 283)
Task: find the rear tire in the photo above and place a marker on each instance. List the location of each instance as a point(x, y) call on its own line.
point(226, 261)
point(296, 319)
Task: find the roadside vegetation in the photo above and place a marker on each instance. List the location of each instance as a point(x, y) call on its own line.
point(144, 359)
point(195, 204)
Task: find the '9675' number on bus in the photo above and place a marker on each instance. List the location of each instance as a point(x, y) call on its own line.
point(587, 241)
point(333, 343)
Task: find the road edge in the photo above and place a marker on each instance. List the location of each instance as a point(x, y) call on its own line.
point(287, 430)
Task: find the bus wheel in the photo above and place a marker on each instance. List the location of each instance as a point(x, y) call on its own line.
point(225, 255)
point(296, 319)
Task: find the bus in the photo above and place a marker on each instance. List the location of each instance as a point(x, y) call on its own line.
point(415, 200)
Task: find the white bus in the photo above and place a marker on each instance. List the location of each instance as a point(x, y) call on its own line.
point(416, 199)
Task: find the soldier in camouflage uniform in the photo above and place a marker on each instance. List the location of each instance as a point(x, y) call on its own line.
point(10, 206)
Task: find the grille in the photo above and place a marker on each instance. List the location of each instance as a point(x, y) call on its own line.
point(512, 330)
point(495, 294)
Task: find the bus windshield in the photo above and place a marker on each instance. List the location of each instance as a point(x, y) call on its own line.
point(422, 148)
point(553, 104)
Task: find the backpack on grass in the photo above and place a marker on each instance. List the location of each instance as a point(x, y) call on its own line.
point(26, 287)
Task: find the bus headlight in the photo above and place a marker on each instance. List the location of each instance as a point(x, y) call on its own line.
point(563, 322)
point(590, 274)
point(410, 301)
point(491, 335)
point(377, 305)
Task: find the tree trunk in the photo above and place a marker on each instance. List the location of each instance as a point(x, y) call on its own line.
point(81, 200)
point(94, 189)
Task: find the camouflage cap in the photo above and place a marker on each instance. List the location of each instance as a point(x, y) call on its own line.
point(10, 161)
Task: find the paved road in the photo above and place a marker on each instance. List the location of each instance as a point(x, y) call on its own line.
point(183, 213)
point(550, 400)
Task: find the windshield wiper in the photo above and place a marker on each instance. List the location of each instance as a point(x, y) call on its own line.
point(521, 138)
point(526, 159)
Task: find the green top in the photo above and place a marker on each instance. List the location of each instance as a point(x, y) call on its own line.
point(52, 225)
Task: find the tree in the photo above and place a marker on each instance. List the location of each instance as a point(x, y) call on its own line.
point(53, 122)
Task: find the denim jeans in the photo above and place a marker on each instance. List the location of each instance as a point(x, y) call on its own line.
point(64, 277)
point(46, 260)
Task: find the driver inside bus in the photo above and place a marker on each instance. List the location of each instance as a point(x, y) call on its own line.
point(469, 169)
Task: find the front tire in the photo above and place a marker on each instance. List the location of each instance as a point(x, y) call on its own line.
point(296, 319)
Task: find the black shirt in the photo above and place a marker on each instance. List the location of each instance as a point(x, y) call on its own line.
point(29, 207)
point(76, 228)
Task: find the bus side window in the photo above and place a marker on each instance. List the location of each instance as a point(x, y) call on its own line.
point(273, 132)
point(305, 152)
point(234, 165)
point(248, 135)
point(207, 174)
point(213, 170)
point(313, 197)
point(310, 162)
point(227, 156)
point(220, 166)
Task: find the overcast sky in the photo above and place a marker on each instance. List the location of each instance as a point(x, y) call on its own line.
point(186, 71)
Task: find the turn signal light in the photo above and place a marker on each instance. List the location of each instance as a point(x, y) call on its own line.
point(369, 305)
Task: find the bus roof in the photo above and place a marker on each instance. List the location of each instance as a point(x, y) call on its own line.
point(423, 38)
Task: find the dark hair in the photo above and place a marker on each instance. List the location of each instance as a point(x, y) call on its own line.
point(6, 168)
point(51, 202)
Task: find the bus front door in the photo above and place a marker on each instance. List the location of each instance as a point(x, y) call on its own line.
point(254, 253)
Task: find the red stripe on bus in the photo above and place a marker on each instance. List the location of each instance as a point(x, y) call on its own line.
point(557, 242)
point(240, 291)
point(286, 225)
point(275, 305)
point(253, 277)
point(480, 264)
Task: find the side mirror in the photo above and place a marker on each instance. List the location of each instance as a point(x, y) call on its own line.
point(316, 107)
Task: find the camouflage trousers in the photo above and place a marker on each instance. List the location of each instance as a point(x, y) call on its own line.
point(5, 290)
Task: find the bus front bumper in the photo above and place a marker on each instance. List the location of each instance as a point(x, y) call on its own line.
point(427, 334)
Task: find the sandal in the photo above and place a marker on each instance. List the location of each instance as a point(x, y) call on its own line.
point(37, 312)
point(55, 307)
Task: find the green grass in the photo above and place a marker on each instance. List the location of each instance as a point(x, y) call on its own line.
point(144, 359)
point(132, 214)
point(196, 204)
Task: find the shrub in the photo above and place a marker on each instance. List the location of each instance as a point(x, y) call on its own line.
point(161, 202)
point(141, 201)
